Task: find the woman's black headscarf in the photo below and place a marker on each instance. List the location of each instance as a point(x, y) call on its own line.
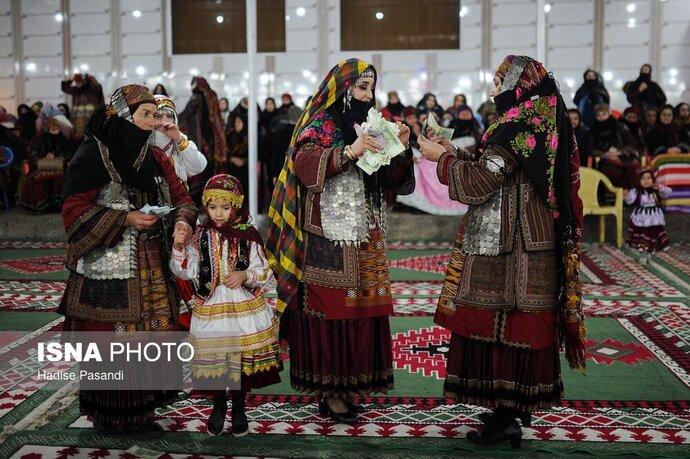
point(113, 126)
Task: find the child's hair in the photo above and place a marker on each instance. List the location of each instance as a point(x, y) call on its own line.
point(644, 171)
point(641, 174)
point(601, 108)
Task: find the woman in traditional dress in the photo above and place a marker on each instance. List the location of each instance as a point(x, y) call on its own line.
point(118, 256)
point(203, 123)
point(87, 96)
point(512, 290)
point(326, 244)
point(48, 152)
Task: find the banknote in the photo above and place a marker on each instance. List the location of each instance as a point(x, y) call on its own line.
point(385, 134)
point(438, 130)
point(156, 210)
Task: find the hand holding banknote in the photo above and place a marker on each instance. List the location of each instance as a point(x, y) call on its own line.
point(386, 135)
point(438, 131)
point(364, 142)
point(431, 151)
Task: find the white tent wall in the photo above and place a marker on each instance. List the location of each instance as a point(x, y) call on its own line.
point(126, 41)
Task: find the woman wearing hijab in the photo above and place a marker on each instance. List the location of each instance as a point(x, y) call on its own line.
point(87, 96)
point(614, 145)
point(160, 90)
point(631, 123)
point(238, 151)
point(326, 244)
point(64, 108)
point(466, 127)
point(643, 93)
point(268, 116)
point(682, 115)
point(667, 136)
point(581, 136)
point(512, 292)
point(459, 100)
point(428, 104)
point(118, 257)
point(26, 122)
point(48, 152)
point(589, 95)
point(393, 111)
point(286, 100)
point(202, 122)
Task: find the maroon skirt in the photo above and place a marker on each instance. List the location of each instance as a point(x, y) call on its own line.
point(495, 375)
point(122, 408)
point(648, 239)
point(42, 192)
point(338, 357)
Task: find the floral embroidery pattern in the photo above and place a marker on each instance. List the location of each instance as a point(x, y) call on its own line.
point(322, 131)
point(539, 116)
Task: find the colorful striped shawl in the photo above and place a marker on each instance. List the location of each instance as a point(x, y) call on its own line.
point(285, 243)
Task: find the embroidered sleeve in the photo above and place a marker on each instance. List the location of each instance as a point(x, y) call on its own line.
point(473, 182)
point(89, 225)
point(314, 164)
point(258, 273)
point(185, 263)
point(194, 162)
point(185, 210)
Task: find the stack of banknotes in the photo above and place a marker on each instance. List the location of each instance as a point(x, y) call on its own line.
point(385, 134)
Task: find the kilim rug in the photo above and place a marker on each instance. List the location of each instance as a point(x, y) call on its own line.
point(634, 400)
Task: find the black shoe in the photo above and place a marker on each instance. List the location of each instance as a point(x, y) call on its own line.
point(525, 418)
point(151, 429)
point(339, 418)
point(105, 428)
point(491, 437)
point(216, 420)
point(240, 423)
point(355, 408)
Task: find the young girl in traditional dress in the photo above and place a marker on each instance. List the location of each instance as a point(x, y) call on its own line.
point(647, 226)
point(233, 329)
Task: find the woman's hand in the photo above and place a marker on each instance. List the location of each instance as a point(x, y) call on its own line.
point(172, 131)
point(364, 142)
point(139, 220)
point(235, 279)
point(447, 144)
point(50, 156)
point(403, 133)
point(431, 151)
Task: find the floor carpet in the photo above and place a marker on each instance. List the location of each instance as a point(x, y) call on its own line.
point(634, 400)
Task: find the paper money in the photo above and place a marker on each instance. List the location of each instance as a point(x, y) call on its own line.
point(438, 130)
point(156, 210)
point(385, 134)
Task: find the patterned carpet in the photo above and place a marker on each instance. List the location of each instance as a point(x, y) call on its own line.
point(634, 399)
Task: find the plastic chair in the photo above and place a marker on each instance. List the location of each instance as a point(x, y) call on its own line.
point(589, 186)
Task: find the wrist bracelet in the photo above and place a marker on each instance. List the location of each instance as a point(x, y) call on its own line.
point(184, 143)
point(348, 152)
